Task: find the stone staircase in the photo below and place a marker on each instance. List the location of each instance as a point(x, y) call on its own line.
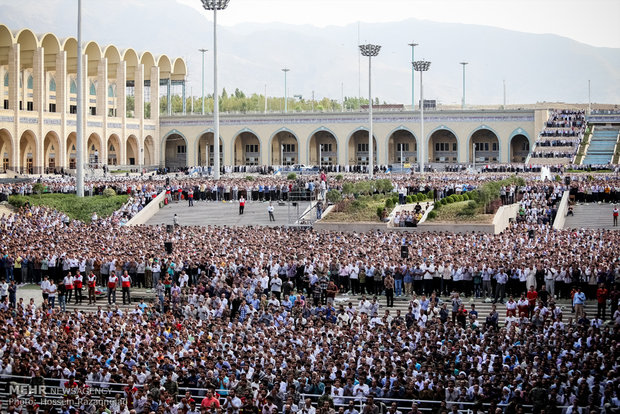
point(591, 216)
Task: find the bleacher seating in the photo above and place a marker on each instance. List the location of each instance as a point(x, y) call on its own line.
point(602, 145)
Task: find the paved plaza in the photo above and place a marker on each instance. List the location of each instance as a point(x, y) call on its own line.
point(209, 213)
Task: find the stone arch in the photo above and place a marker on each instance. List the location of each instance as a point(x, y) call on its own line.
point(519, 148)
point(113, 57)
point(51, 45)
point(94, 150)
point(6, 41)
point(206, 138)
point(149, 151)
point(148, 61)
point(174, 152)
point(113, 150)
point(328, 152)
point(70, 47)
point(247, 148)
point(6, 150)
point(443, 146)
point(488, 145)
point(28, 153)
point(52, 152)
point(71, 151)
point(179, 70)
point(357, 147)
point(405, 139)
point(132, 151)
point(165, 67)
point(287, 155)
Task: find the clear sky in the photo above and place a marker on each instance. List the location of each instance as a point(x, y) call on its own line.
point(594, 22)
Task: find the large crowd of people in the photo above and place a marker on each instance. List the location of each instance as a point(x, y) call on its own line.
point(564, 129)
point(268, 320)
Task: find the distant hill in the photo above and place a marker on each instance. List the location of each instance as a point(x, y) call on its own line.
point(325, 60)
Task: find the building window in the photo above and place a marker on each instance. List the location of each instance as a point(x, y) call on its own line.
point(73, 109)
point(362, 147)
point(251, 148)
point(93, 89)
point(52, 107)
point(288, 147)
point(495, 146)
point(111, 91)
point(29, 82)
point(29, 106)
point(402, 147)
point(73, 86)
point(52, 85)
point(211, 149)
point(93, 110)
point(180, 149)
point(454, 147)
point(6, 79)
point(326, 147)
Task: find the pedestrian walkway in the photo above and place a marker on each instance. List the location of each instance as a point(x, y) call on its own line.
point(210, 213)
point(591, 216)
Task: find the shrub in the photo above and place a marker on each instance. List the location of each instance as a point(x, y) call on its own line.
point(465, 196)
point(358, 205)
point(395, 198)
point(38, 188)
point(430, 195)
point(377, 197)
point(109, 192)
point(291, 176)
point(443, 201)
point(450, 199)
point(249, 178)
point(379, 212)
point(437, 206)
point(431, 215)
point(334, 196)
point(339, 177)
point(409, 199)
point(389, 204)
point(421, 197)
point(347, 188)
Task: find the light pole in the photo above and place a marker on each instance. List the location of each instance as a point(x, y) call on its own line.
point(370, 51)
point(285, 70)
point(320, 155)
point(215, 5)
point(79, 172)
point(421, 66)
point(203, 79)
point(413, 45)
point(463, 102)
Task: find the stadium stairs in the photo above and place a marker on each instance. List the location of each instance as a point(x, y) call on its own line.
point(602, 146)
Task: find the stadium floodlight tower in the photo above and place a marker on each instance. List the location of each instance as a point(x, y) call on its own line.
point(285, 70)
point(215, 5)
point(202, 78)
point(421, 66)
point(370, 51)
point(79, 167)
point(463, 102)
point(413, 45)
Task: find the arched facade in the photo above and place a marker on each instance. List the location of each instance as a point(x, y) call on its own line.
point(443, 146)
point(38, 102)
point(322, 148)
point(175, 151)
point(284, 148)
point(205, 150)
point(358, 148)
point(519, 148)
point(402, 147)
point(247, 149)
point(484, 143)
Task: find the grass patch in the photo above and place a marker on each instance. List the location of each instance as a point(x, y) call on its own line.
point(75, 207)
point(362, 209)
point(453, 212)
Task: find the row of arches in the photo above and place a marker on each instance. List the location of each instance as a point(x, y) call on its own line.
point(323, 148)
point(32, 155)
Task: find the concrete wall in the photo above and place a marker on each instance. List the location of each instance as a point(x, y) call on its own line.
point(147, 212)
point(501, 221)
point(560, 217)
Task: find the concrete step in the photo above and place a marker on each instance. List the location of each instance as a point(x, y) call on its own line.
point(591, 216)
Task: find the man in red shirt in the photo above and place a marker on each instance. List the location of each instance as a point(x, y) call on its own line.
point(601, 298)
point(77, 281)
point(210, 401)
point(125, 285)
point(532, 295)
point(92, 282)
point(112, 282)
point(241, 204)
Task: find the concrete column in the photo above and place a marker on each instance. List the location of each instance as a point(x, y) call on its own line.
point(38, 78)
point(102, 104)
point(155, 113)
point(139, 92)
point(86, 111)
point(61, 104)
point(38, 94)
point(121, 88)
point(14, 73)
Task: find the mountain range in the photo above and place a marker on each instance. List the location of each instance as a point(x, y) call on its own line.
point(325, 61)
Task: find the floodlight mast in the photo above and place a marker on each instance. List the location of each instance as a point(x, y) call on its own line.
point(421, 66)
point(370, 51)
point(215, 5)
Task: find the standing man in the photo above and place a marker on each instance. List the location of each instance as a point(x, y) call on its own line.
point(500, 289)
point(78, 280)
point(270, 211)
point(190, 197)
point(388, 284)
point(125, 285)
point(615, 214)
point(112, 282)
point(92, 282)
point(579, 299)
point(601, 297)
point(45, 285)
point(241, 205)
point(68, 282)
